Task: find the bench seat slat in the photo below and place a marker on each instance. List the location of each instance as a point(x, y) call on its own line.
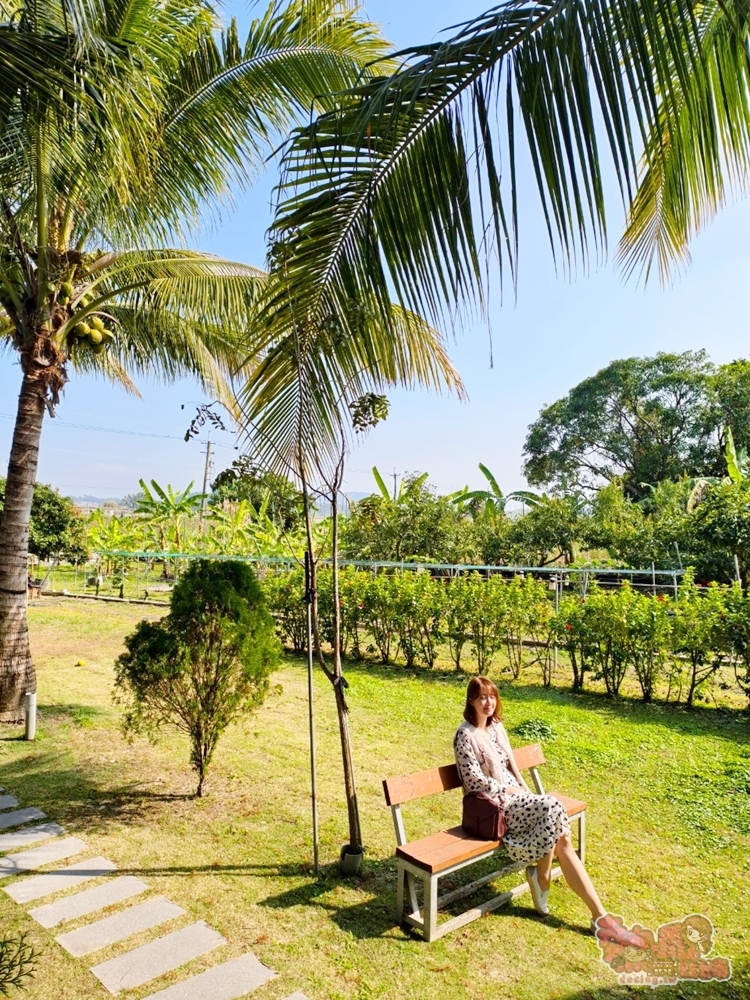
point(572, 806)
point(445, 849)
point(451, 847)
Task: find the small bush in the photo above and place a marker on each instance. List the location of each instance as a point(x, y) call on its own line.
point(203, 665)
point(536, 730)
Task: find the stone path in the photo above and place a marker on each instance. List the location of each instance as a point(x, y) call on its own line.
point(36, 857)
point(119, 926)
point(227, 980)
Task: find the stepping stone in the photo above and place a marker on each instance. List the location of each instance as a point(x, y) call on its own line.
point(113, 891)
point(94, 936)
point(32, 835)
point(154, 959)
point(20, 816)
point(224, 982)
point(8, 802)
point(42, 885)
point(27, 861)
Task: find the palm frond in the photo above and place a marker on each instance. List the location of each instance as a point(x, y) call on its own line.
point(303, 377)
point(229, 104)
point(698, 151)
point(413, 182)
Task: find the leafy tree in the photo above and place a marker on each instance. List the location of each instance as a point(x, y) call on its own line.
point(245, 480)
point(205, 664)
point(738, 630)
point(648, 636)
point(642, 420)
point(97, 112)
point(549, 531)
point(701, 632)
point(721, 531)
point(576, 634)
point(418, 525)
point(56, 528)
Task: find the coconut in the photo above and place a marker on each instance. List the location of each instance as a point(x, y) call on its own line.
point(81, 330)
point(97, 322)
point(95, 336)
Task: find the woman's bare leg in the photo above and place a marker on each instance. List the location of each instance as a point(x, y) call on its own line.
point(544, 869)
point(574, 873)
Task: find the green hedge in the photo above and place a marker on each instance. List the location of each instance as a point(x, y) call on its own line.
point(680, 643)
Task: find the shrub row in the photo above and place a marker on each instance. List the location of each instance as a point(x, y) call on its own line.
point(680, 642)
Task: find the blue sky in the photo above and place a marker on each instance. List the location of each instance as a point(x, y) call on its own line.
point(552, 336)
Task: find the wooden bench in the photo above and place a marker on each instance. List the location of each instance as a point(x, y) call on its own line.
point(440, 854)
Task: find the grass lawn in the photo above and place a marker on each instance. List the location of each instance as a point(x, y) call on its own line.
point(668, 827)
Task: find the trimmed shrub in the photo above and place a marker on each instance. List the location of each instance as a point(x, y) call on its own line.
point(203, 665)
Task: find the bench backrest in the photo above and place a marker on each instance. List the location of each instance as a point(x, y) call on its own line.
point(442, 779)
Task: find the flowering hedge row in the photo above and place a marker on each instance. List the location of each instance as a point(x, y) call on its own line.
point(680, 643)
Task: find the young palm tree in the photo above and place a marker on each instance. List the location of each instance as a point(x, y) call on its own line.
point(297, 408)
point(412, 183)
point(119, 122)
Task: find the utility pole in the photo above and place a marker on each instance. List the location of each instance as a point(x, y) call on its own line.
point(394, 485)
point(206, 472)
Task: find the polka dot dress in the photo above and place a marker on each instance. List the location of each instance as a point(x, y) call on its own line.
point(535, 822)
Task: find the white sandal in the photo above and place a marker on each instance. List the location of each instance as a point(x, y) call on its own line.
point(539, 897)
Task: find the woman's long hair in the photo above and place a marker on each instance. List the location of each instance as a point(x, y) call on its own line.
point(479, 686)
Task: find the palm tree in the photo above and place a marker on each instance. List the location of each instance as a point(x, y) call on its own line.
point(119, 122)
point(412, 182)
point(315, 372)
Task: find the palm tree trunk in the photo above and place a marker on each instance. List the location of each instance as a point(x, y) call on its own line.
point(17, 675)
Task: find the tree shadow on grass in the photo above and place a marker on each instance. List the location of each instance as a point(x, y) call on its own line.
point(74, 797)
point(736, 988)
point(726, 724)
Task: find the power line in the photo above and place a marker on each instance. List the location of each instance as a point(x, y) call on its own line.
point(105, 430)
point(116, 430)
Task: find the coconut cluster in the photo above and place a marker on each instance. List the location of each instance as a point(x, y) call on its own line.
point(90, 331)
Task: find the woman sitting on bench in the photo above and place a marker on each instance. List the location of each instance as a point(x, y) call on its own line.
point(538, 826)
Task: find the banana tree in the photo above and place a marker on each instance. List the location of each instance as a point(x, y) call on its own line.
point(493, 501)
point(164, 511)
point(738, 470)
point(98, 105)
point(394, 500)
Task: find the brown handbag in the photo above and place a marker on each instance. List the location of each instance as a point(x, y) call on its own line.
point(483, 817)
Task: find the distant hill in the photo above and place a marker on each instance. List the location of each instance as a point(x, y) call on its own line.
point(89, 501)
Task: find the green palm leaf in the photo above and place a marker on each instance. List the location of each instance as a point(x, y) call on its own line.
point(411, 183)
point(305, 374)
point(697, 152)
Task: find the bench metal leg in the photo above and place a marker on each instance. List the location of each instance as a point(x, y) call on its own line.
point(400, 879)
point(405, 887)
point(430, 906)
